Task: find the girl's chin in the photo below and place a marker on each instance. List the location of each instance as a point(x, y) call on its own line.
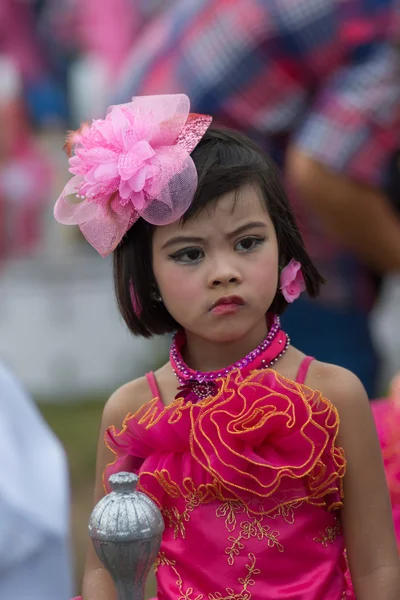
point(228, 328)
point(223, 335)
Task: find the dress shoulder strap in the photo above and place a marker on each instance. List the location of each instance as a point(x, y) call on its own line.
point(303, 369)
point(151, 380)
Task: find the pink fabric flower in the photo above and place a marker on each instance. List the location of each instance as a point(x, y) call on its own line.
point(292, 281)
point(193, 391)
point(134, 163)
point(255, 436)
point(114, 156)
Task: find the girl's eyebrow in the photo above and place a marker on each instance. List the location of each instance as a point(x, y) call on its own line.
point(182, 239)
point(246, 226)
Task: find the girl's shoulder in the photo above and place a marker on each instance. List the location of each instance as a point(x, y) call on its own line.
point(127, 399)
point(336, 383)
point(345, 392)
point(131, 396)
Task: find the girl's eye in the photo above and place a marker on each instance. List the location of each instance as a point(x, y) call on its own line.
point(188, 256)
point(248, 244)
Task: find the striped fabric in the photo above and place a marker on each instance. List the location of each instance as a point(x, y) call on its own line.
point(324, 74)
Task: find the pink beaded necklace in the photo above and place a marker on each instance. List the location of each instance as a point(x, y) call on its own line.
point(196, 385)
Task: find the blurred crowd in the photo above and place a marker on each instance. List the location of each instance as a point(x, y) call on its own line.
point(58, 61)
point(315, 82)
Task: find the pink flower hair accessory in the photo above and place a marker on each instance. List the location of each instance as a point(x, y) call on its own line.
point(292, 282)
point(134, 163)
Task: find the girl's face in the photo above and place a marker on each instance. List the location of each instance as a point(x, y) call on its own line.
point(218, 272)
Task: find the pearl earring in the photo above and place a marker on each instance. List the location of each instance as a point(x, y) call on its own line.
point(156, 296)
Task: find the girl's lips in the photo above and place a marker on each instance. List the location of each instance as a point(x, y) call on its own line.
point(226, 309)
point(227, 305)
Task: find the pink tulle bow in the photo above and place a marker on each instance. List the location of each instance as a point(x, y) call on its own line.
point(134, 163)
point(292, 281)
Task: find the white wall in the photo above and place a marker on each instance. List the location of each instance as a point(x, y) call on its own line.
point(61, 332)
point(385, 324)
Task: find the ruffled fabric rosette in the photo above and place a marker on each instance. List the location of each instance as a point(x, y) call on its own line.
point(134, 163)
point(260, 440)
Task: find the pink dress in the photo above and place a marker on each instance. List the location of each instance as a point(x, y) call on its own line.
point(387, 419)
point(198, 491)
point(250, 486)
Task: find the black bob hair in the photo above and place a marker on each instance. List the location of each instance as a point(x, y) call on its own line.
point(225, 161)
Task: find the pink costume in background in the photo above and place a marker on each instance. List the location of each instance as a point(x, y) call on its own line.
point(249, 483)
point(25, 178)
point(25, 172)
point(108, 34)
point(18, 40)
point(387, 418)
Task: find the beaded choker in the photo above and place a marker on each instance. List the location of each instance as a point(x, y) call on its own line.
point(199, 385)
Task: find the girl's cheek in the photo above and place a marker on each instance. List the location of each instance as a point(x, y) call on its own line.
point(174, 280)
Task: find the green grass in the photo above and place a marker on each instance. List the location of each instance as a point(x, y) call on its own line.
point(77, 426)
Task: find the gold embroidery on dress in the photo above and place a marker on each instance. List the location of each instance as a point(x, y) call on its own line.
point(205, 492)
point(286, 511)
point(246, 583)
point(193, 498)
point(252, 529)
point(320, 484)
point(162, 560)
point(176, 520)
point(329, 535)
point(229, 510)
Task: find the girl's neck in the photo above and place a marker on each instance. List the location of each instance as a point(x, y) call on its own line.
point(202, 355)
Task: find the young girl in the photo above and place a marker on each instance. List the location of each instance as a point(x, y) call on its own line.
point(265, 462)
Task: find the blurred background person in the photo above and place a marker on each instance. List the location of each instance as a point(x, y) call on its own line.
point(97, 41)
point(27, 37)
point(34, 501)
point(25, 170)
point(317, 83)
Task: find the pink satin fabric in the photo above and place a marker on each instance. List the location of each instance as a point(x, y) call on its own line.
point(298, 550)
point(250, 487)
point(387, 419)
